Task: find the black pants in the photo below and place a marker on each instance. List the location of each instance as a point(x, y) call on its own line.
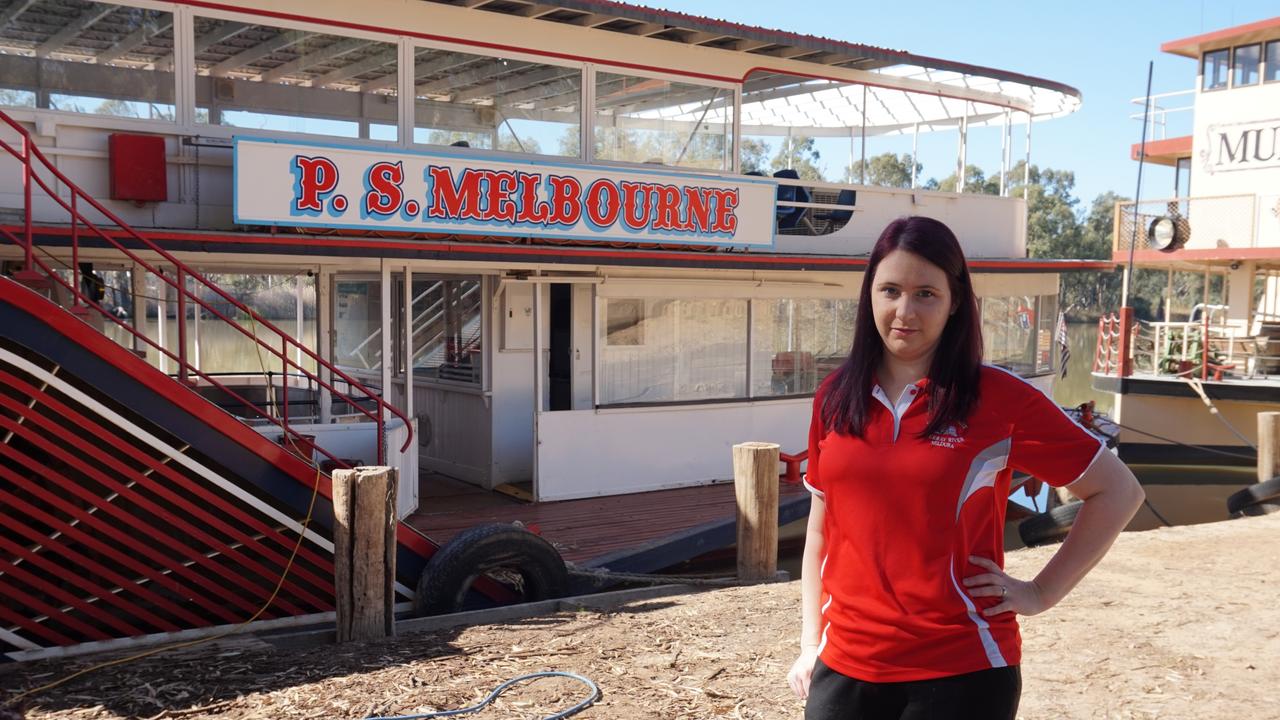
point(984, 695)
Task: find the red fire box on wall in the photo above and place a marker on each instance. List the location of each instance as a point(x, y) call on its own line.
point(138, 169)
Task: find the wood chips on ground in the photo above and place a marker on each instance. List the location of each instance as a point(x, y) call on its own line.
point(1175, 623)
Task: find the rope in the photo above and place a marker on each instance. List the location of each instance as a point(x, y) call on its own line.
point(1187, 445)
point(1198, 387)
point(582, 705)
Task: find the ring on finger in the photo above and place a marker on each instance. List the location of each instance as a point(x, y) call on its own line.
point(1004, 591)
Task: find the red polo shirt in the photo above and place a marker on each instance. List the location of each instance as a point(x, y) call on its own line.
point(904, 513)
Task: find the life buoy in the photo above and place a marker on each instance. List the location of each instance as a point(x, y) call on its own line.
point(447, 578)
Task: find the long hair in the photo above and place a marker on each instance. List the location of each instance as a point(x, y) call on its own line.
point(957, 362)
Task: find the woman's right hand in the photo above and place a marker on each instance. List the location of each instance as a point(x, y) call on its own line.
point(802, 671)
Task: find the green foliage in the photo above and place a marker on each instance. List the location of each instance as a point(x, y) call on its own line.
point(800, 153)
point(755, 153)
point(975, 181)
point(883, 170)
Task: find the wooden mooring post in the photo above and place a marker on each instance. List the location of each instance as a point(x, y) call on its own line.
point(364, 552)
point(1268, 445)
point(755, 481)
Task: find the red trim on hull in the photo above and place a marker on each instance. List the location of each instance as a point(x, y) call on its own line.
point(103, 593)
point(122, 538)
point(1155, 257)
point(202, 493)
point(548, 253)
point(35, 628)
point(190, 530)
point(105, 572)
point(88, 608)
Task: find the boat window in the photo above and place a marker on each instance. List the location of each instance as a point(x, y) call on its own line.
point(1247, 60)
point(264, 77)
point(1009, 326)
point(1214, 69)
point(287, 301)
point(685, 350)
point(796, 343)
point(447, 329)
point(1271, 66)
point(357, 324)
point(662, 122)
point(88, 57)
point(1047, 325)
point(496, 103)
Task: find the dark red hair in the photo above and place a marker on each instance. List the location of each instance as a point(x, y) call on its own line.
point(956, 365)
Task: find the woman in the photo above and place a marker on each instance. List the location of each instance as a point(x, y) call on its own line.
point(906, 610)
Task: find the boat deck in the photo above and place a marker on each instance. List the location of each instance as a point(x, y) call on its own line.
point(640, 532)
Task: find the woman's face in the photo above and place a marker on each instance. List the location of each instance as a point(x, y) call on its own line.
point(911, 302)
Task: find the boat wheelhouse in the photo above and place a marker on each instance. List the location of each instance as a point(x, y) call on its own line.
point(501, 244)
point(1215, 247)
point(1190, 381)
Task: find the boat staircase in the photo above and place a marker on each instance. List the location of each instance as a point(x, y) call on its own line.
point(133, 509)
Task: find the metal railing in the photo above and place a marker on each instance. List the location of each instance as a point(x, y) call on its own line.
point(37, 270)
point(1202, 222)
point(1158, 114)
point(1197, 348)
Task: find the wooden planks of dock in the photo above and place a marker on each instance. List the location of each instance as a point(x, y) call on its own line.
point(640, 532)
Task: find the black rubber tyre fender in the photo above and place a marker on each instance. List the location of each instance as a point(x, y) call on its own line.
point(449, 574)
point(1254, 494)
point(1261, 508)
point(1049, 527)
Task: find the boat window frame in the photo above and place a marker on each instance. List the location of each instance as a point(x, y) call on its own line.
point(114, 122)
point(656, 288)
point(408, 106)
point(1270, 62)
point(1204, 70)
point(1236, 67)
point(186, 62)
point(588, 135)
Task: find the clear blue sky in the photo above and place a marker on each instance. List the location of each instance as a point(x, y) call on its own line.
point(1100, 48)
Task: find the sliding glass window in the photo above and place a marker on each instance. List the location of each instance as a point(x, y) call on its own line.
point(1215, 68)
point(264, 77)
point(662, 122)
point(795, 344)
point(1248, 61)
point(87, 57)
point(448, 329)
point(672, 350)
point(496, 103)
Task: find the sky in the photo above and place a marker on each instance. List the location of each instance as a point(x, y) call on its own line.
point(1099, 48)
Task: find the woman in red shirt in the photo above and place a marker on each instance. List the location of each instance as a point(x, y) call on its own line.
point(907, 612)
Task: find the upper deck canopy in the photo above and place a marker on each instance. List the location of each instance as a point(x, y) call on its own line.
point(895, 91)
point(822, 107)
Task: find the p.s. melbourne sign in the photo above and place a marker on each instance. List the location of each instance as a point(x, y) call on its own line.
point(1241, 146)
point(324, 185)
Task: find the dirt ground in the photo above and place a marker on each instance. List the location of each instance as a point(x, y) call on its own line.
point(1175, 623)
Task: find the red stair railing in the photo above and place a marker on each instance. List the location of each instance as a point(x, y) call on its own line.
point(82, 304)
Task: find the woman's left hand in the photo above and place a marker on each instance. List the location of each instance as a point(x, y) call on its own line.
point(1019, 596)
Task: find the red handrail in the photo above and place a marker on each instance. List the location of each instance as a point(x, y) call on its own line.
point(30, 152)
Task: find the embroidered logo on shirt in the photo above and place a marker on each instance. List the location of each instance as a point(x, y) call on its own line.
point(950, 437)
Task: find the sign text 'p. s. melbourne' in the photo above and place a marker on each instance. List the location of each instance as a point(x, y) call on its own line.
point(293, 184)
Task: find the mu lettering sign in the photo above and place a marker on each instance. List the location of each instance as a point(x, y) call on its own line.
point(325, 185)
point(1242, 146)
